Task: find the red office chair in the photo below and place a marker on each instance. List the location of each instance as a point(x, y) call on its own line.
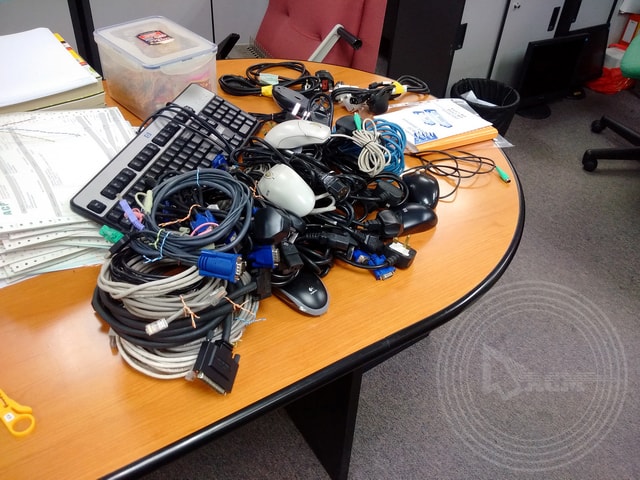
point(294, 29)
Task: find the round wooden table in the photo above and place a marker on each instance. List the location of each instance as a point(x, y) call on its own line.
point(96, 416)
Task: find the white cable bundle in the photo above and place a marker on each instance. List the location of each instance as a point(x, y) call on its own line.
point(374, 156)
point(157, 301)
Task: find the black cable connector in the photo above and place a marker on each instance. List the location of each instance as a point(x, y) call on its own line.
point(334, 241)
point(386, 224)
point(326, 80)
point(400, 254)
point(389, 194)
point(119, 245)
point(216, 365)
point(337, 188)
point(291, 261)
point(368, 242)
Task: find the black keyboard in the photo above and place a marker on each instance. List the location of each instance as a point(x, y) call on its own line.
point(166, 144)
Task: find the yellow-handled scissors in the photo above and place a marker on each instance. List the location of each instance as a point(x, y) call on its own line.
point(17, 418)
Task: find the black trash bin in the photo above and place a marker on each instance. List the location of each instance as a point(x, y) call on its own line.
point(505, 99)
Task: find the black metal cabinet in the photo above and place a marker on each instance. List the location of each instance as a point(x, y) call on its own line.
point(419, 38)
point(434, 40)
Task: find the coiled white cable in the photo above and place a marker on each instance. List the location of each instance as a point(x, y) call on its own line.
point(374, 156)
point(155, 300)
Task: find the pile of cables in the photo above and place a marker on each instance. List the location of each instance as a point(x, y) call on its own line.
point(378, 94)
point(160, 313)
point(168, 317)
point(206, 246)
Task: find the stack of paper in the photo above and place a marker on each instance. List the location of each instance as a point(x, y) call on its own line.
point(41, 71)
point(45, 158)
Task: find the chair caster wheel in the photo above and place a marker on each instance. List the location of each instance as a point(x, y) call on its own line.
point(597, 126)
point(589, 164)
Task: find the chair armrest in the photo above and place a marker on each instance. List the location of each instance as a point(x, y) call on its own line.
point(225, 46)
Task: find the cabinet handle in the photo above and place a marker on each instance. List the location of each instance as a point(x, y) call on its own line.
point(553, 20)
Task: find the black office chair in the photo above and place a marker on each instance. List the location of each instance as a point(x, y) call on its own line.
point(630, 67)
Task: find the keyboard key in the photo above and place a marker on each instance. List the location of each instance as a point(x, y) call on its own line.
point(96, 206)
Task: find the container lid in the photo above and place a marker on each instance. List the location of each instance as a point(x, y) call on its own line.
point(154, 41)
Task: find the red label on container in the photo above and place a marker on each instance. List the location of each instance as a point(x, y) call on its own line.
point(155, 37)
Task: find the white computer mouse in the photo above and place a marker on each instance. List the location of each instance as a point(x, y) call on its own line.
point(297, 133)
point(283, 187)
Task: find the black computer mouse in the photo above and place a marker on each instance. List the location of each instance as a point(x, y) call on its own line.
point(416, 217)
point(306, 293)
point(423, 188)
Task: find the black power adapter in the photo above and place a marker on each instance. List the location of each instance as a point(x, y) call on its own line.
point(297, 105)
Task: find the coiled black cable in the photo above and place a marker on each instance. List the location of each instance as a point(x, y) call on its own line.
point(160, 239)
point(253, 84)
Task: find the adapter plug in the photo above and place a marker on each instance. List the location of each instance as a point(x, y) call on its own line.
point(400, 254)
point(345, 125)
point(371, 243)
point(326, 80)
point(263, 283)
point(290, 101)
point(378, 102)
point(270, 225)
point(416, 217)
point(216, 365)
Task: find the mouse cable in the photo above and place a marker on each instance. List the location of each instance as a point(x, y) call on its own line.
point(453, 165)
point(319, 261)
point(256, 151)
point(257, 155)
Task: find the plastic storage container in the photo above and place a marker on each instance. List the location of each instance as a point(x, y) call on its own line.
point(505, 100)
point(148, 62)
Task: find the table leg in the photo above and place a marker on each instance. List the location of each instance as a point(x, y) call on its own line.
point(326, 418)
